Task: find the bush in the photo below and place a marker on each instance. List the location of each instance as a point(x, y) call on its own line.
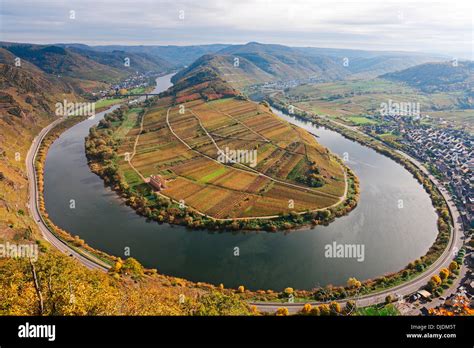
point(335, 307)
point(282, 312)
point(353, 283)
point(241, 289)
point(389, 299)
point(453, 265)
point(306, 308)
point(324, 309)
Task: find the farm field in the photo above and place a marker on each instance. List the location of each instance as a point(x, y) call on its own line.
point(190, 146)
point(352, 101)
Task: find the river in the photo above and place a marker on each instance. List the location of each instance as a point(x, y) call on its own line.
point(394, 222)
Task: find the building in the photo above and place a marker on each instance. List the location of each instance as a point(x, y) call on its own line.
point(157, 182)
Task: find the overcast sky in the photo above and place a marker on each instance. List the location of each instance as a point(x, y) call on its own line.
point(442, 27)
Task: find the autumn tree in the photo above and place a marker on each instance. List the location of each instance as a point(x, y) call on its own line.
point(444, 273)
point(434, 282)
point(453, 266)
point(324, 309)
point(306, 308)
point(353, 283)
point(282, 311)
point(335, 307)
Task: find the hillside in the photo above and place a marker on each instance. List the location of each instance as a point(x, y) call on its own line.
point(222, 67)
point(286, 63)
point(438, 77)
point(178, 56)
point(27, 97)
point(63, 62)
point(256, 63)
point(138, 62)
point(245, 65)
point(182, 138)
point(369, 64)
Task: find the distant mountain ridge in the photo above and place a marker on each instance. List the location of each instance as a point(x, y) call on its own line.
point(278, 62)
point(438, 77)
point(177, 56)
point(62, 61)
point(256, 63)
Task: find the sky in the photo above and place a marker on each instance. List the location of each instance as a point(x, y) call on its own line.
point(444, 27)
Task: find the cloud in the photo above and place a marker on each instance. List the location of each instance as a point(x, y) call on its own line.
point(444, 27)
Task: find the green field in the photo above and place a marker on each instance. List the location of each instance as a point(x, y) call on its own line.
point(360, 120)
point(388, 310)
point(350, 101)
point(107, 102)
point(213, 175)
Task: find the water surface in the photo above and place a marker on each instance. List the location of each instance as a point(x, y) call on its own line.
point(392, 236)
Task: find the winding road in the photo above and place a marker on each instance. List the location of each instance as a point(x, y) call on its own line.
point(33, 199)
point(407, 288)
point(91, 262)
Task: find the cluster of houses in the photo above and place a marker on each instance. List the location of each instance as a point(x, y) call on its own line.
point(449, 150)
point(136, 80)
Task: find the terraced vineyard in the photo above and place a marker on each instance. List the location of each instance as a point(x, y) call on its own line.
point(185, 143)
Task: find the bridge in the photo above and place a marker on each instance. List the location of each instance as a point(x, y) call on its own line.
point(137, 95)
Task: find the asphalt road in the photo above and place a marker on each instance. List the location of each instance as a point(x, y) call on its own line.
point(455, 243)
point(401, 290)
point(33, 195)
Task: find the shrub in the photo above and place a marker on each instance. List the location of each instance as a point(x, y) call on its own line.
point(353, 283)
point(335, 307)
point(389, 299)
point(306, 308)
point(324, 309)
point(241, 289)
point(282, 311)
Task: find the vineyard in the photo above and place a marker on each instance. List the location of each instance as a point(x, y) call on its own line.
point(182, 143)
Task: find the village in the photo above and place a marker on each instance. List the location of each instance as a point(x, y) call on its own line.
point(447, 152)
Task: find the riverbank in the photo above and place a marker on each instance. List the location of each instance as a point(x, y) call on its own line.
point(93, 256)
point(209, 257)
point(414, 269)
point(102, 147)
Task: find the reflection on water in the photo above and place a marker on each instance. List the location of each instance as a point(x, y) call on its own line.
point(392, 237)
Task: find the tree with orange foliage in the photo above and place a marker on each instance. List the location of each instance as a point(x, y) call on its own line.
point(282, 312)
point(444, 273)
